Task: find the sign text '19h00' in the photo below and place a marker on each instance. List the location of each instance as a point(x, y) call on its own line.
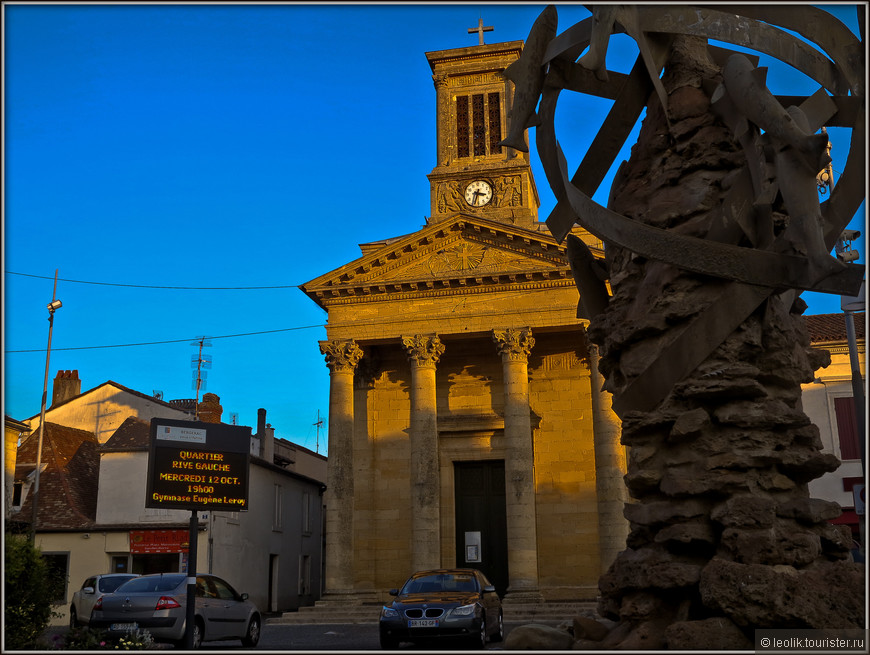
point(194, 465)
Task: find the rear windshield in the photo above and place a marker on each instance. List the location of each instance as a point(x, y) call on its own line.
point(153, 583)
point(108, 585)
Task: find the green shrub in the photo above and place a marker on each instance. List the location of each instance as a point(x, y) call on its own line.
point(29, 594)
point(83, 637)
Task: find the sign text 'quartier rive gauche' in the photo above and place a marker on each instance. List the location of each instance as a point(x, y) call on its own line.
point(195, 465)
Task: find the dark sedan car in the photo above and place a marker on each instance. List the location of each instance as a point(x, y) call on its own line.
point(443, 604)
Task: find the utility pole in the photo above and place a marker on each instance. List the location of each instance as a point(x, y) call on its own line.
point(53, 306)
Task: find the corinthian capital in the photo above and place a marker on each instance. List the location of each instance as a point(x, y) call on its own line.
point(514, 344)
point(341, 355)
point(424, 349)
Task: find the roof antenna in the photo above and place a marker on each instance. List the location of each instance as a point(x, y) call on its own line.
point(199, 362)
point(318, 425)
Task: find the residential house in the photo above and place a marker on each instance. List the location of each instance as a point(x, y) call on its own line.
point(829, 402)
point(91, 504)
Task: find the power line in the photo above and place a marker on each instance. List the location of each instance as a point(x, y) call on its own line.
point(156, 343)
point(153, 286)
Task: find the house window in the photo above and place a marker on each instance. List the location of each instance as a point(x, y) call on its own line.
point(304, 575)
point(847, 430)
point(278, 518)
point(306, 513)
point(58, 573)
point(17, 489)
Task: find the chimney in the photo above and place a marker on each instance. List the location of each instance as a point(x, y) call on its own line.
point(66, 385)
point(269, 444)
point(261, 422)
point(210, 409)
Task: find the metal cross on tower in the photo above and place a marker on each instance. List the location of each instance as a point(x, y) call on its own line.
point(480, 29)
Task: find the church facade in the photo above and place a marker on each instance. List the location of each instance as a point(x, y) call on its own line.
point(466, 422)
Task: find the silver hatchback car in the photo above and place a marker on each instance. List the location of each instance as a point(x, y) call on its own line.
point(158, 603)
point(91, 591)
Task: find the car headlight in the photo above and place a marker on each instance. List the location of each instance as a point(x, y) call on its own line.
point(464, 610)
point(388, 613)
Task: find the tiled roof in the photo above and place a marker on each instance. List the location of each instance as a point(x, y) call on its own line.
point(132, 434)
point(827, 328)
point(68, 481)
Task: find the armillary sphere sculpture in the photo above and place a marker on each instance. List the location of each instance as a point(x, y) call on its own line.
point(740, 244)
point(713, 228)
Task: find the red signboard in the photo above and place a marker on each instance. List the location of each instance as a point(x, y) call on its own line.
point(158, 541)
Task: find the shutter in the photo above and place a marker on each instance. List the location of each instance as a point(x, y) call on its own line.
point(844, 408)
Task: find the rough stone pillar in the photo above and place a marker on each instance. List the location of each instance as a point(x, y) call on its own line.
point(423, 353)
point(610, 467)
point(514, 345)
point(341, 358)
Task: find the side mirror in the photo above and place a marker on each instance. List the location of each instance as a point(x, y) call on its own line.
point(394, 592)
point(489, 589)
point(244, 596)
point(88, 590)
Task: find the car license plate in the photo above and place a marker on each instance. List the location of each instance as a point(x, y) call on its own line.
point(126, 627)
point(423, 623)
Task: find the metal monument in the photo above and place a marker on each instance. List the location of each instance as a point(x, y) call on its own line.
point(713, 228)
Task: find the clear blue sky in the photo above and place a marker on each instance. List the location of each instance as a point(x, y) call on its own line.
point(225, 146)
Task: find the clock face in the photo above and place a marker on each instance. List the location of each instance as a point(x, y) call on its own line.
point(478, 193)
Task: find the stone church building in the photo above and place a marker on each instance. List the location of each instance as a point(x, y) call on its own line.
point(466, 425)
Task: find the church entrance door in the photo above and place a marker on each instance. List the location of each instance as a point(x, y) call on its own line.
point(481, 520)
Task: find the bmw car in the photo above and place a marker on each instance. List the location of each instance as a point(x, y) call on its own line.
point(158, 603)
point(443, 605)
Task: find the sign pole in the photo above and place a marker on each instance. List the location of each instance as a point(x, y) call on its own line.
point(191, 581)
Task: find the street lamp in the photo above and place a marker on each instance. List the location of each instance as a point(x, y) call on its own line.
point(53, 306)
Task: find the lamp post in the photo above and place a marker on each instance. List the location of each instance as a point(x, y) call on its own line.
point(53, 306)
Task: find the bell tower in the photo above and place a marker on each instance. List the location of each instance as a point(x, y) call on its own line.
point(473, 174)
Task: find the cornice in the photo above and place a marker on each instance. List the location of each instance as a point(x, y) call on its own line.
point(456, 287)
point(437, 58)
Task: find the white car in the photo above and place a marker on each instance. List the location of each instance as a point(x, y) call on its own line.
point(91, 590)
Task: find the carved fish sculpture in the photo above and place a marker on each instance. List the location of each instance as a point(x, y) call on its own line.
point(527, 74)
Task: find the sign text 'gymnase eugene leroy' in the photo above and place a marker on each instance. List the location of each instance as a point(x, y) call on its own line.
point(194, 465)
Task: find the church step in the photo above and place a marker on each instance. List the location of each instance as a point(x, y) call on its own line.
point(554, 612)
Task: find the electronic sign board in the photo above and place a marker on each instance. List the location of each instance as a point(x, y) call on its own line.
point(195, 465)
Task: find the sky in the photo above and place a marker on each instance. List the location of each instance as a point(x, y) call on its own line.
point(185, 168)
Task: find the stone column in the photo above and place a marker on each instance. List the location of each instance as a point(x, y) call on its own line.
point(442, 103)
point(341, 358)
point(610, 467)
point(423, 353)
point(514, 345)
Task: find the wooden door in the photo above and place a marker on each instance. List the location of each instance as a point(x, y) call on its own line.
point(481, 520)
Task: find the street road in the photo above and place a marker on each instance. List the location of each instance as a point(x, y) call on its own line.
point(277, 637)
point(312, 637)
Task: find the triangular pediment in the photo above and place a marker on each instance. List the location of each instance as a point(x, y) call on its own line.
point(456, 252)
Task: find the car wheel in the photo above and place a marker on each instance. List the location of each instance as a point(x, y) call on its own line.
point(253, 635)
point(499, 632)
point(73, 618)
point(197, 634)
point(479, 640)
